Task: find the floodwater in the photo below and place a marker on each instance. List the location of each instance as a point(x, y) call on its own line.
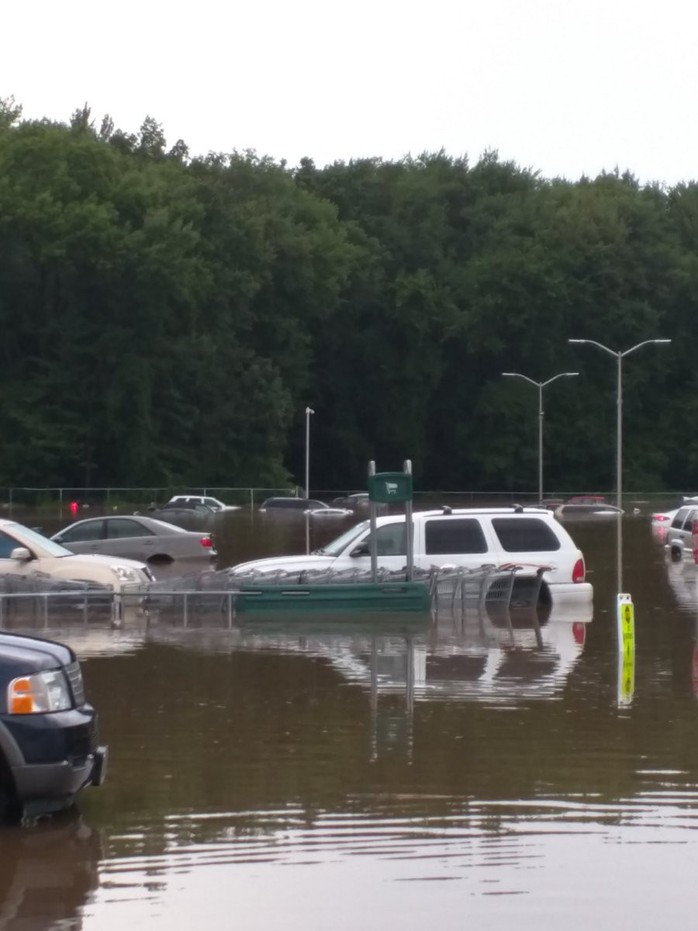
point(398, 773)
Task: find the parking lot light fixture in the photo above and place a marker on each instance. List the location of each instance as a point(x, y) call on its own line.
point(540, 385)
point(308, 412)
point(620, 355)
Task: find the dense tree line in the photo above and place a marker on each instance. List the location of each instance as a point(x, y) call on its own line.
point(167, 318)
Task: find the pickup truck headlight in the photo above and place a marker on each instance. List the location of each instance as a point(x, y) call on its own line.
point(39, 693)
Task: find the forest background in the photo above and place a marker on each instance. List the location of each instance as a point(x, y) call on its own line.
point(166, 319)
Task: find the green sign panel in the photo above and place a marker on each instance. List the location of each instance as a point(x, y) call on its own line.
point(387, 487)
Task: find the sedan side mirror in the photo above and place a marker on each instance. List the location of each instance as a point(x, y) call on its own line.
point(21, 553)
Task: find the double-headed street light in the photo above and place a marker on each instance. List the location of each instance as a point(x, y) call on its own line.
point(620, 355)
point(540, 385)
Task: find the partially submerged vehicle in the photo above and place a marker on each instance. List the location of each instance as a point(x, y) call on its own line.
point(529, 538)
point(24, 551)
point(49, 749)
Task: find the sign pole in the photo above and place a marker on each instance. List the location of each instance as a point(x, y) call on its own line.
point(372, 542)
point(409, 541)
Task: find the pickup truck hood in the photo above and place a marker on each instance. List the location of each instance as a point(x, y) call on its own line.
point(32, 653)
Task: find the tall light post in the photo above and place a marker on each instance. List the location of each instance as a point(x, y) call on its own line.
point(540, 385)
point(308, 412)
point(619, 355)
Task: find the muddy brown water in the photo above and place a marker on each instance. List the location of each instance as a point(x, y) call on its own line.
point(395, 773)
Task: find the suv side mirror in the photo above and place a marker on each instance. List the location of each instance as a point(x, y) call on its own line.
point(21, 553)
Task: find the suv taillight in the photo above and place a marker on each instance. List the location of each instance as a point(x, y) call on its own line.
point(579, 571)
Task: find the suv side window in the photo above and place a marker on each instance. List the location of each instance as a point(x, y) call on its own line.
point(525, 535)
point(679, 518)
point(454, 535)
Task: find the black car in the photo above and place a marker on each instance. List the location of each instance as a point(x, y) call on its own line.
point(49, 747)
point(187, 514)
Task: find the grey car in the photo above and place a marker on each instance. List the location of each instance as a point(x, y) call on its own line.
point(136, 537)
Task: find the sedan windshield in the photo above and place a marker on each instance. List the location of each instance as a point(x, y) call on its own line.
point(342, 542)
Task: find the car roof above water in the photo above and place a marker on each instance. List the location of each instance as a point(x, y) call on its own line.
point(292, 503)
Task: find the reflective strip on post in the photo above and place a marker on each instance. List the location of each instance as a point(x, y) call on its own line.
point(625, 625)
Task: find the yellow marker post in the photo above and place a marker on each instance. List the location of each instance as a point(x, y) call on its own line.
point(625, 626)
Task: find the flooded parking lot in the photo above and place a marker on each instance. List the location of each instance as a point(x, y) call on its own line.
point(361, 773)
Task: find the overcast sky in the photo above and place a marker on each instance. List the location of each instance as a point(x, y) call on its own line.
point(564, 87)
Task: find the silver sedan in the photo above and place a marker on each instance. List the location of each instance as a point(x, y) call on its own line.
point(136, 537)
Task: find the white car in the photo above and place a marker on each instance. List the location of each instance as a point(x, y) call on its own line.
point(189, 500)
point(26, 552)
point(470, 538)
point(661, 522)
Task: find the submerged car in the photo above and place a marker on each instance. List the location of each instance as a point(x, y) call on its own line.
point(290, 503)
point(310, 506)
point(358, 502)
point(136, 537)
point(183, 513)
point(679, 533)
point(587, 511)
point(24, 551)
point(190, 500)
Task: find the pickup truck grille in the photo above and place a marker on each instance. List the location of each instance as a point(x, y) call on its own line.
point(76, 685)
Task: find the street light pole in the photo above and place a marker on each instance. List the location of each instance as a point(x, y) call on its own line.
point(620, 355)
point(540, 385)
point(308, 412)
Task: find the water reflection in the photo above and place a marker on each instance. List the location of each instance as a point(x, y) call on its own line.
point(47, 873)
point(492, 656)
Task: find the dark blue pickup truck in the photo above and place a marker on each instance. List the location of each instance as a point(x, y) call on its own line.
point(49, 746)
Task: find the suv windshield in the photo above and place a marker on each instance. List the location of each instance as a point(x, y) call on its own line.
point(342, 542)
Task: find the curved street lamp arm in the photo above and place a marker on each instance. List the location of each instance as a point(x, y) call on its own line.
point(593, 342)
point(525, 378)
point(645, 342)
point(559, 375)
point(616, 353)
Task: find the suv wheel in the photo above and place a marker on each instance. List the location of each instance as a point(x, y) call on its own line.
point(676, 553)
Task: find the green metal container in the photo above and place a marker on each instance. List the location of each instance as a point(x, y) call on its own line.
point(353, 596)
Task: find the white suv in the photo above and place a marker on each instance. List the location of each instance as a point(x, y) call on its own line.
point(528, 537)
point(679, 534)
